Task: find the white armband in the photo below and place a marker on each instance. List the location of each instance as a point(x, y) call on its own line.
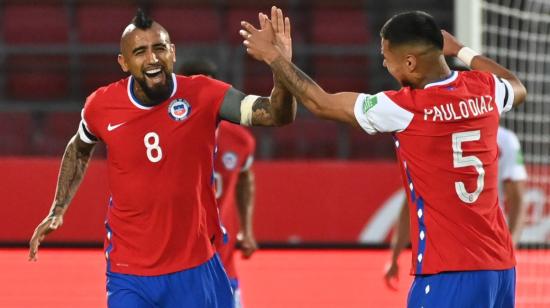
point(466, 55)
point(246, 109)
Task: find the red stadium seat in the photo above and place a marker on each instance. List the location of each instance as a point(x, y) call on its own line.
point(236, 15)
point(15, 133)
point(37, 77)
point(306, 138)
point(55, 132)
point(98, 71)
point(342, 73)
point(365, 146)
point(258, 78)
point(189, 24)
point(34, 24)
point(339, 26)
point(102, 23)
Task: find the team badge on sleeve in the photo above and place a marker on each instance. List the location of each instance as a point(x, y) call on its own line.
point(229, 160)
point(179, 109)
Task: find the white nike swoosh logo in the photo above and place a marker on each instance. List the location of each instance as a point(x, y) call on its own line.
point(113, 127)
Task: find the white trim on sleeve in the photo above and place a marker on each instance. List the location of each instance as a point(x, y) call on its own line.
point(504, 94)
point(379, 114)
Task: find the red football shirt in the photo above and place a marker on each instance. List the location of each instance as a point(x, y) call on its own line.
point(446, 141)
point(160, 172)
point(235, 154)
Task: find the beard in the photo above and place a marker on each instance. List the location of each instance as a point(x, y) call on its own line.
point(158, 93)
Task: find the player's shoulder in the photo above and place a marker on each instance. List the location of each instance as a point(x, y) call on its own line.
point(199, 80)
point(476, 77)
point(108, 93)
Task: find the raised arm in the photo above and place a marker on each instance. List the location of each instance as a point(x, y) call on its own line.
point(280, 107)
point(73, 166)
point(337, 107)
point(453, 48)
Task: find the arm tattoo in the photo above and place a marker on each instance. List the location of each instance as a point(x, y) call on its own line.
point(262, 112)
point(296, 81)
point(73, 166)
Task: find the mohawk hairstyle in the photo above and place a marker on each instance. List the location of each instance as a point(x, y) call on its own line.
point(141, 20)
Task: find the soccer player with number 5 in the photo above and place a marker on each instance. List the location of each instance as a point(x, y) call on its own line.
point(444, 124)
point(159, 129)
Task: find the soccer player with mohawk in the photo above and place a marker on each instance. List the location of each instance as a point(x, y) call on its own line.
point(159, 129)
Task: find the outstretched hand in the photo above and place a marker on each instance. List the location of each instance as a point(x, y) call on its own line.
point(49, 224)
point(271, 40)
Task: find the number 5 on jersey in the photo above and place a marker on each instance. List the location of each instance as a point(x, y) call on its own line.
point(154, 152)
point(460, 161)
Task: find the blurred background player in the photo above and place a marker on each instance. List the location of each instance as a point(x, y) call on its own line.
point(159, 129)
point(234, 186)
point(511, 180)
point(444, 124)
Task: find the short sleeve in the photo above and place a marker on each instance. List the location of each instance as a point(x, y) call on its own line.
point(504, 94)
point(511, 158)
point(85, 133)
point(379, 114)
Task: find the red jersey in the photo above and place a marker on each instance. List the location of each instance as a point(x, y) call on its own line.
point(446, 141)
point(160, 171)
point(235, 154)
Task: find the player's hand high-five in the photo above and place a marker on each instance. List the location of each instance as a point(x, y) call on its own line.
point(271, 40)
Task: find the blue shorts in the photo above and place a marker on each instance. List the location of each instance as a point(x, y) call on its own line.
point(464, 289)
point(204, 286)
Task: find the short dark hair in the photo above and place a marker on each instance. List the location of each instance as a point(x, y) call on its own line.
point(141, 20)
point(199, 67)
point(412, 28)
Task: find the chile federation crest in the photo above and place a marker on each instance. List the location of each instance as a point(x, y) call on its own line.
point(179, 109)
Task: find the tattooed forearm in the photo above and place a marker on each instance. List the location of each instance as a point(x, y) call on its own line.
point(73, 166)
point(298, 83)
point(276, 110)
point(262, 112)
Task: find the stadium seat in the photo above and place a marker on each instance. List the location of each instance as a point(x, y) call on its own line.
point(238, 14)
point(189, 24)
point(339, 26)
point(258, 78)
point(15, 133)
point(342, 73)
point(34, 24)
point(37, 77)
point(102, 23)
point(365, 146)
point(98, 71)
point(306, 138)
point(55, 130)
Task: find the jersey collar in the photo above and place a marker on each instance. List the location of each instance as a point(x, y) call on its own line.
point(134, 99)
point(447, 80)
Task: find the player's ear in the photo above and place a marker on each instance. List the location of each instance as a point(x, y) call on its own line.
point(122, 63)
point(410, 63)
point(173, 48)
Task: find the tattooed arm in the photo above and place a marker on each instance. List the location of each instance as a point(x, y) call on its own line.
point(280, 107)
point(337, 106)
point(73, 166)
